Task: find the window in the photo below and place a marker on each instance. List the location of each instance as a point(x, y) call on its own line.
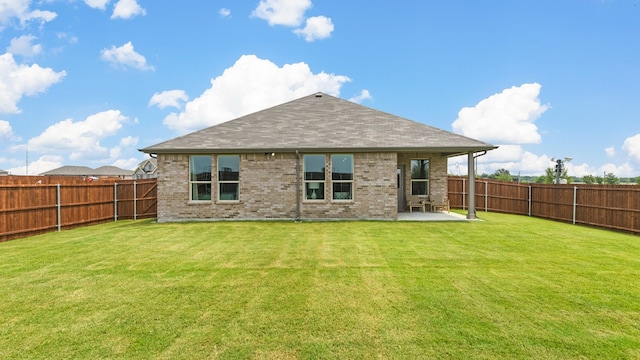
point(314, 166)
point(228, 177)
point(342, 177)
point(420, 177)
point(200, 177)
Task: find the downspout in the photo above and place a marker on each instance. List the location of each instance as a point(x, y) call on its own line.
point(297, 185)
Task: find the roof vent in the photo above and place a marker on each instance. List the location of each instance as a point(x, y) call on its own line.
point(319, 95)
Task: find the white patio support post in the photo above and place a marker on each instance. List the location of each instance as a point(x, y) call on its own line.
point(471, 209)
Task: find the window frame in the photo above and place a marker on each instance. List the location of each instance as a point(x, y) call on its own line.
point(321, 191)
point(342, 182)
point(200, 182)
point(221, 182)
point(421, 180)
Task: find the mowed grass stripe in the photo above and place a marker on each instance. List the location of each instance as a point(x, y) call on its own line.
point(505, 287)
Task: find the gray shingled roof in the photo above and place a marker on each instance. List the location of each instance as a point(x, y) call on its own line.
point(320, 123)
point(111, 171)
point(70, 170)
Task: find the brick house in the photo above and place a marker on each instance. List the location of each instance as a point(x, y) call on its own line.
point(317, 157)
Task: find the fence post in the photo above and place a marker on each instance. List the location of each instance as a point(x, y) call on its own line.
point(486, 196)
point(575, 197)
point(58, 205)
point(115, 201)
point(135, 198)
point(529, 200)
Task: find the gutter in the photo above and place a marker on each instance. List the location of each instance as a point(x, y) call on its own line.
point(449, 151)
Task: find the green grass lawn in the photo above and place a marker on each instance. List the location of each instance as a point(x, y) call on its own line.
point(506, 287)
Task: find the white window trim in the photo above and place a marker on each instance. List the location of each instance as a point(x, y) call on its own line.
point(192, 182)
point(352, 181)
point(426, 181)
point(220, 182)
point(305, 181)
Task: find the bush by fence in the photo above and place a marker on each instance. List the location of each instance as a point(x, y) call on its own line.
point(608, 206)
point(31, 205)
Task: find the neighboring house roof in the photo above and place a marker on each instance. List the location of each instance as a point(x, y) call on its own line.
point(87, 171)
point(4, 172)
point(70, 170)
point(320, 122)
point(148, 166)
point(111, 171)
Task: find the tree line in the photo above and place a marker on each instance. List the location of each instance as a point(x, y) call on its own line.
point(549, 177)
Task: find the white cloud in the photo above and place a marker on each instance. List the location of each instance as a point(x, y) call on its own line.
point(515, 159)
point(125, 56)
point(17, 81)
point(115, 154)
point(20, 10)
point(504, 153)
point(23, 45)
point(97, 4)
point(510, 157)
point(224, 12)
point(82, 138)
point(129, 141)
point(168, 98)
point(507, 117)
point(610, 151)
point(251, 84)
point(317, 27)
point(42, 164)
point(6, 132)
point(71, 39)
point(282, 12)
point(632, 147)
point(579, 169)
point(624, 170)
point(364, 95)
point(126, 9)
point(127, 164)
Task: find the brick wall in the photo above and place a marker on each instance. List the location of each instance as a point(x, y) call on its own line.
point(268, 188)
point(374, 195)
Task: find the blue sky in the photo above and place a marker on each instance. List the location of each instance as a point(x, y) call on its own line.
point(88, 82)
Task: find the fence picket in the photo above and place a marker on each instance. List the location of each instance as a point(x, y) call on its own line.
point(608, 206)
point(31, 205)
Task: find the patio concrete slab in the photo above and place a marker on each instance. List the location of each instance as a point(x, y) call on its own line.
point(431, 216)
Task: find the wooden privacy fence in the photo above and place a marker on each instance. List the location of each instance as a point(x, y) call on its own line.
point(33, 205)
point(42, 207)
point(608, 206)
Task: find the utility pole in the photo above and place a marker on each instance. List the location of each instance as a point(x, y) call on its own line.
point(558, 170)
point(559, 167)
